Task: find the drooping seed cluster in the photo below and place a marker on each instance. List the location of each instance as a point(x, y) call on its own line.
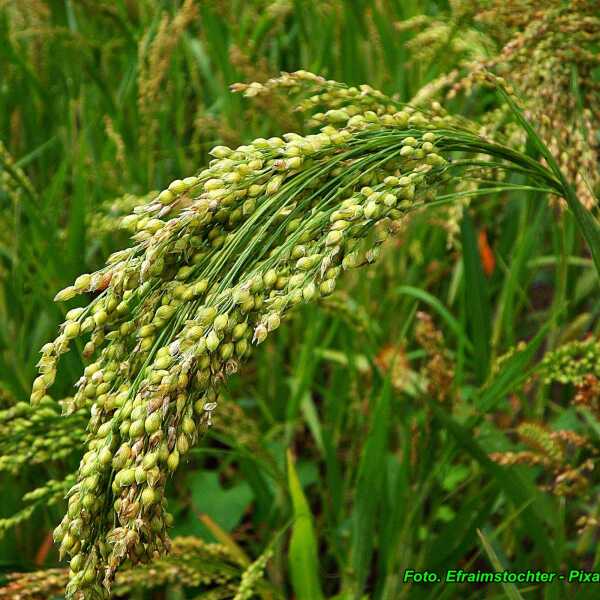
point(327, 102)
point(220, 259)
point(549, 52)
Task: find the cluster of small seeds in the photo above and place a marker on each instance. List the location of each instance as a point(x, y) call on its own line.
point(328, 102)
point(572, 362)
point(549, 52)
point(538, 437)
point(434, 36)
point(111, 215)
point(192, 563)
point(35, 435)
point(32, 436)
point(220, 259)
point(252, 575)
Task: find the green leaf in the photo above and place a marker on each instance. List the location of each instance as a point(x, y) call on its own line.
point(458, 535)
point(477, 301)
point(226, 506)
point(370, 488)
point(302, 554)
point(512, 593)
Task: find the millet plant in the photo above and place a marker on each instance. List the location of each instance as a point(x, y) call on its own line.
point(220, 259)
point(257, 235)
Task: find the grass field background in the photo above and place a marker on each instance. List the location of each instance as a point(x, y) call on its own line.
point(374, 432)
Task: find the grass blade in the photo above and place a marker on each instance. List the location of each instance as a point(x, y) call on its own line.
point(369, 488)
point(302, 556)
point(512, 593)
point(476, 299)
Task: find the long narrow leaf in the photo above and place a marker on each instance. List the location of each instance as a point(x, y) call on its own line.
point(302, 556)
